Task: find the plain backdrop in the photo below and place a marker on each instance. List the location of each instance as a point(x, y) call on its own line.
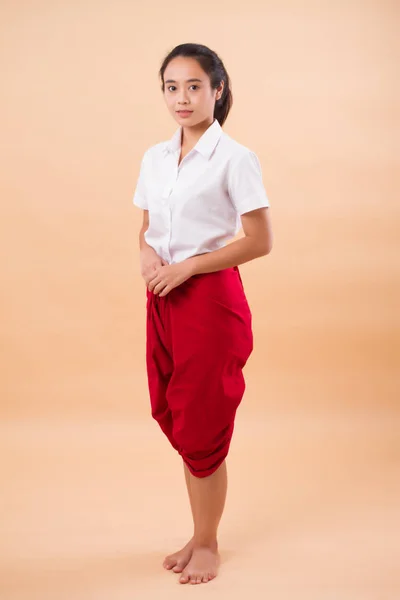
point(92, 496)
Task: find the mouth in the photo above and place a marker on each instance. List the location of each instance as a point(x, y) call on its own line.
point(184, 112)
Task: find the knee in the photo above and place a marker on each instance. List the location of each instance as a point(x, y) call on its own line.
point(203, 469)
point(203, 456)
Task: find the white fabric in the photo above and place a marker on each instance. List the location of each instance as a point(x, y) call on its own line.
point(196, 207)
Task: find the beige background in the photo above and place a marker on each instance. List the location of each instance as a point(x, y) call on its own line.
point(92, 495)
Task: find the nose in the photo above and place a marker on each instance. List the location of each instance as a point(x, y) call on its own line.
point(182, 98)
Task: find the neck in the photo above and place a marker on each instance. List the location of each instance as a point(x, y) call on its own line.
point(191, 135)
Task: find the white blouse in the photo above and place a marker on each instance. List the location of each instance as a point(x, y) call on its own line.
point(195, 207)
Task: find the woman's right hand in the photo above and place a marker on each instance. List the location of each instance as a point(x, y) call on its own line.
point(149, 262)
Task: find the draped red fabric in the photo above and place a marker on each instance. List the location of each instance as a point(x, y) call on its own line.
point(198, 339)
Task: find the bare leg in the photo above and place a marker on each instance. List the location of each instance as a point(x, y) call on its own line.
point(188, 486)
point(208, 502)
point(178, 561)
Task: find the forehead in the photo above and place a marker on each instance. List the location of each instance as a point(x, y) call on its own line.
point(182, 68)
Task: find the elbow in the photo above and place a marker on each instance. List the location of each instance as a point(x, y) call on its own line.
point(260, 245)
point(266, 247)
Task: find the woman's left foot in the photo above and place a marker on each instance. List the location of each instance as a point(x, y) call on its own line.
point(203, 565)
point(178, 561)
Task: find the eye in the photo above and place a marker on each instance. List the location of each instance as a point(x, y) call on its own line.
point(173, 86)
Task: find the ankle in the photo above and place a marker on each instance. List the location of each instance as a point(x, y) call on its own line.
point(205, 542)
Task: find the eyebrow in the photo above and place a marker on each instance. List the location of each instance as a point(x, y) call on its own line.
point(187, 80)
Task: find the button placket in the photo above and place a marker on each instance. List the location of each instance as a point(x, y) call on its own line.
point(167, 209)
point(169, 188)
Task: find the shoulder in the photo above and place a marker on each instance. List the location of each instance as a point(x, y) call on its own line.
point(244, 178)
point(151, 155)
point(241, 161)
point(155, 151)
point(235, 152)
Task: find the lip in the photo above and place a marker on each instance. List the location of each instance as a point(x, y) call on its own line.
point(184, 112)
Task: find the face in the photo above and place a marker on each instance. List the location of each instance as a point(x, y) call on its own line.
point(187, 87)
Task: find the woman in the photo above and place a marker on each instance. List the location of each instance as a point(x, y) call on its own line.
point(196, 190)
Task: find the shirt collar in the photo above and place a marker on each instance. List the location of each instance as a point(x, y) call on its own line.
point(205, 145)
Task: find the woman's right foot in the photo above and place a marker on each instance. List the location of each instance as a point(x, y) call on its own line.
point(177, 562)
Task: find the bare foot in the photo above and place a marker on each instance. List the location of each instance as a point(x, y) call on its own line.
point(203, 565)
point(178, 561)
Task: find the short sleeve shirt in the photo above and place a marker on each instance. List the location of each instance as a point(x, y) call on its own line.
point(195, 207)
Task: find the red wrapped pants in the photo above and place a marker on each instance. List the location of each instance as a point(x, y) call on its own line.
point(199, 337)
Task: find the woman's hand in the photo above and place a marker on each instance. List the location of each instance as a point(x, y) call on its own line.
point(149, 263)
point(166, 278)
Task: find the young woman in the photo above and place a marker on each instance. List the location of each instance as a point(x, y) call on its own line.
point(196, 191)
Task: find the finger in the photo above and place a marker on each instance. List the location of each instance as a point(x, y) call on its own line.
point(149, 278)
point(153, 283)
point(153, 275)
point(158, 288)
point(165, 291)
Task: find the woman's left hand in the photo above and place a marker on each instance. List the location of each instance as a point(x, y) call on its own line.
point(168, 277)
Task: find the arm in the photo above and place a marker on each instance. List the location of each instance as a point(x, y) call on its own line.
point(149, 259)
point(145, 225)
point(140, 200)
point(256, 242)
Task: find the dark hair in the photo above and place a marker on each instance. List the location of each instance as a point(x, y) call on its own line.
point(215, 69)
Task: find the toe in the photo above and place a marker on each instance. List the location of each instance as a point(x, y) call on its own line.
point(184, 578)
point(205, 578)
point(199, 578)
point(177, 568)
